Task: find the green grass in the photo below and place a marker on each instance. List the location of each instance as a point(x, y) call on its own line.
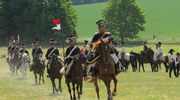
point(131, 85)
point(162, 20)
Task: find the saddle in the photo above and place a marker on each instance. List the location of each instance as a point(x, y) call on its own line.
point(160, 57)
point(125, 57)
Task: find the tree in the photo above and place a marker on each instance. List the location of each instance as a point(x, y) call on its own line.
point(32, 18)
point(125, 18)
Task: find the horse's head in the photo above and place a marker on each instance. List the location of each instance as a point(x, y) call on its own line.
point(104, 51)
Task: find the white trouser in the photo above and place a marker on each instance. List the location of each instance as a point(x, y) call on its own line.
point(115, 58)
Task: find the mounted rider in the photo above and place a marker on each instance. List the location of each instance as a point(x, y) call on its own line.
point(13, 49)
point(36, 53)
point(53, 50)
point(145, 47)
point(72, 52)
point(23, 49)
point(159, 51)
point(86, 47)
point(123, 51)
point(101, 36)
point(114, 55)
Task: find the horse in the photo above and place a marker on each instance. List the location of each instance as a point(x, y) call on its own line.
point(14, 61)
point(53, 67)
point(25, 64)
point(156, 63)
point(38, 68)
point(106, 69)
point(128, 59)
point(75, 77)
point(142, 58)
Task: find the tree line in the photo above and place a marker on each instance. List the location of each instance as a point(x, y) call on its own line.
point(32, 18)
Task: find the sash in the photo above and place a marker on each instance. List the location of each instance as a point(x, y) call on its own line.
point(51, 52)
point(71, 52)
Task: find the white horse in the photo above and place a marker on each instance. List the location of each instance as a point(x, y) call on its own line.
point(25, 64)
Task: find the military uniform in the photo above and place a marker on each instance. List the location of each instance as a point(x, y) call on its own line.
point(24, 51)
point(36, 52)
point(178, 63)
point(71, 52)
point(51, 51)
point(172, 63)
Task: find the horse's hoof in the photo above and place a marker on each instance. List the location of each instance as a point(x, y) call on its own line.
point(80, 93)
point(114, 93)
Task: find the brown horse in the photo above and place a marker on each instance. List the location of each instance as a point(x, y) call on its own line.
point(75, 76)
point(106, 70)
point(53, 67)
point(157, 63)
point(38, 68)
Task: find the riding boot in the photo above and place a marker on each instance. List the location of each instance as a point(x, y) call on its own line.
point(117, 71)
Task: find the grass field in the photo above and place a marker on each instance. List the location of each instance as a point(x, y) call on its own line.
point(162, 20)
point(131, 85)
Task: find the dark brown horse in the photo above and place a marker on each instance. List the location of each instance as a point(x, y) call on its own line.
point(53, 67)
point(142, 59)
point(157, 63)
point(38, 68)
point(75, 77)
point(106, 70)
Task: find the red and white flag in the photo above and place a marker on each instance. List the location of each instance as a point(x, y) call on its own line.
point(57, 22)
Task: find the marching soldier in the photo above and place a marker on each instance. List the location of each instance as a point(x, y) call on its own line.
point(172, 61)
point(72, 52)
point(52, 50)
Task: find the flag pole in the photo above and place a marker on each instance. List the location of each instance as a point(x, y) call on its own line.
point(63, 45)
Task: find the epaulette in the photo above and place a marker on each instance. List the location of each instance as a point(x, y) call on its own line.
point(96, 33)
point(109, 33)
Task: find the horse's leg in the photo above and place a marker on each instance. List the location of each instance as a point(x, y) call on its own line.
point(43, 77)
point(166, 66)
point(133, 66)
point(60, 87)
point(151, 66)
point(140, 66)
point(69, 89)
point(53, 84)
point(74, 91)
point(97, 87)
point(78, 92)
point(107, 83)
point(40, 75)
point(115, 86)
point(35, 78)
point(81, 86)
point(143, 67)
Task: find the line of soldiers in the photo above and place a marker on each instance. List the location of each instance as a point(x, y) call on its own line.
point(90, 51)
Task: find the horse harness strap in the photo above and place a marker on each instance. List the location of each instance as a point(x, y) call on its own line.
point(69, 55)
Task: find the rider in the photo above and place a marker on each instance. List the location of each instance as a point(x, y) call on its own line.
point(23, 50)
point(123, 50)
point(102, 35)
point(114, 55)
point(36, 52)
point(159, 51)
point(72, 52)
point(145, 47)
point(14, 48)
point(172, 60)
point(52, 50)
point(86, 47)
